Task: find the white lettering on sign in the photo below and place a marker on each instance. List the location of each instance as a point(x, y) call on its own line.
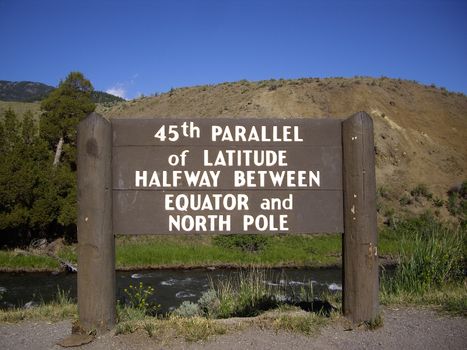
point(201, 202)
point(175, 178)
point(286, 178)
point(172, 132)
point(271, 223)
point(277, 203)
point(245, 157)
point(210, 185)
point(199, 223)
point(263, 133)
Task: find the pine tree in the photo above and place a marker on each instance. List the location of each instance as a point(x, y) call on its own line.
point(24, 178)
point(62, 111)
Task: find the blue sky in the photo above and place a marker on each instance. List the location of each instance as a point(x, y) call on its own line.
point(134, 47)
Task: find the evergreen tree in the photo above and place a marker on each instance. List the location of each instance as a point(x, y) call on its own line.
point(24, 178)
point(62, 111)
point(36, 202)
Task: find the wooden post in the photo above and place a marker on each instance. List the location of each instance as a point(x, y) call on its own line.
point(360, 254)
point(96, 244)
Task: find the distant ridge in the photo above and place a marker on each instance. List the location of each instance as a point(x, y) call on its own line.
point(29, 91)
point(23, 91)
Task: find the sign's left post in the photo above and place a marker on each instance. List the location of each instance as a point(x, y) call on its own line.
point(96, 243)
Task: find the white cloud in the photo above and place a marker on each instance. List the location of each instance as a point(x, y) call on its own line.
point(117, 90)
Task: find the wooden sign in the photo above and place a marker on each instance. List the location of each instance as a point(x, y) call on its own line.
point(181, 176)
point(227, 176)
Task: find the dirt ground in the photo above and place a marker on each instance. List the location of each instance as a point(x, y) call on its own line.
point(404, 328)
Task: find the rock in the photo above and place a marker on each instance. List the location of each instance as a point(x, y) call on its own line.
point(30, 304)
point(75, 340)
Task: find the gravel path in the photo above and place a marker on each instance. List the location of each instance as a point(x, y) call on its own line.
point(403, 329)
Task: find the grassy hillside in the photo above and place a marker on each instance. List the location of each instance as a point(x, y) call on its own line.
point(20, 108)
point(420, 131)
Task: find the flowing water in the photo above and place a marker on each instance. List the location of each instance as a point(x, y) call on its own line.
point(172, 287)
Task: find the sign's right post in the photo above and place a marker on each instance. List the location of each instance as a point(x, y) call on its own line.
point(360, 253)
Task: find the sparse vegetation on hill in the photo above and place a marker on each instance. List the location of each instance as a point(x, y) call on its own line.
point(419, 130)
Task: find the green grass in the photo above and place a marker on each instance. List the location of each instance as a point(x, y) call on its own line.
point(157, 251)
point(290, 250)
point(172, 251)
point(11, 260)
point(200, 251)
point(430, 254)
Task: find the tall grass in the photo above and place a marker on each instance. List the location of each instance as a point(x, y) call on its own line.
point(432, 258)
point(246, 294)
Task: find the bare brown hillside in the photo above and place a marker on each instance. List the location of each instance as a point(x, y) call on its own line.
point(420, 131)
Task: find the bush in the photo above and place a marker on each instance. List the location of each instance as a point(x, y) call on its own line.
point(243, 242)
point(383, 192)
point(188, 309)
point(209, 303)
point(438, 202)
point(138, 296)
point(421, 190)
point(405, 200)
point(457, 203)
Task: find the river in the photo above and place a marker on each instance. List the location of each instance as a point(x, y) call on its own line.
point(171, 286)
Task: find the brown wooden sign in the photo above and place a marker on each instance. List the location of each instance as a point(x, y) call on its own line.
point(227, 176)
point(176, 176)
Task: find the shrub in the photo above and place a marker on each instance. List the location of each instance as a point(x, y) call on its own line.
point(209, 303)
point(188, 309)
point(405, 200)
point(457, 203)
point(138, 296)
point(383, 192)
point(421, 190)
point(243, 242)
point(438, 202)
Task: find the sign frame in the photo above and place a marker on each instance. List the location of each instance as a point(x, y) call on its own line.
point(96, 243)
